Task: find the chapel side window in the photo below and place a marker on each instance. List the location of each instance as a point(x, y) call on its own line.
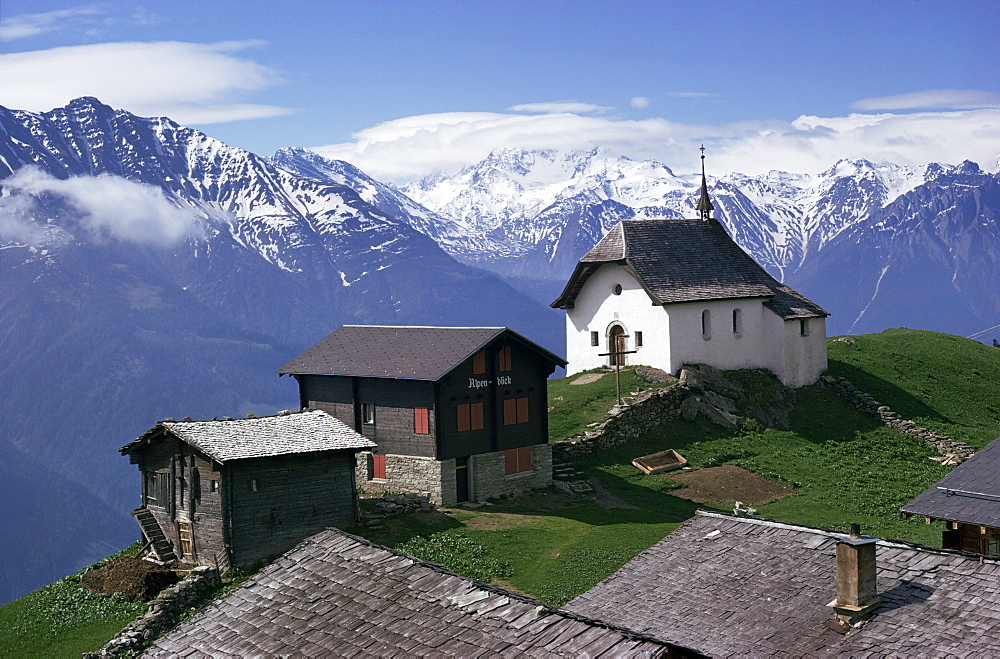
point(706, 324)
point(804, 327)
point(737, 321)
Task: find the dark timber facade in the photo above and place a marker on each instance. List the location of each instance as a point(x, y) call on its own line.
point(237, 491)
point(460, 413)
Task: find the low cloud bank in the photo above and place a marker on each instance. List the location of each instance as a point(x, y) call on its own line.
point(412, 147)
point(104, 206)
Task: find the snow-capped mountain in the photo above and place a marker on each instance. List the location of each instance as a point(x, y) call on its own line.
point(150, 271)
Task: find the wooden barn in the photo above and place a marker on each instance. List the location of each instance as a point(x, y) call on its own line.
point(237, 491)
point(968, 500)
point(458, 412)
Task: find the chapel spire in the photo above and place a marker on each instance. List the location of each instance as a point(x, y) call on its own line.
point(704, 206)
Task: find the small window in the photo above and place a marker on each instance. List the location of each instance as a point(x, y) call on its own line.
point(706, 324)
point(517, 460)
point(595, 339)
point(368, 413)
point(737, 321)
point(617, 290)
point(377, 466)
point(470, 416)
point(506, 364)
point(638, 339)
point(215, 486)
point(421, 421)
point(993, 548)
point(804, 327)
point(254, 485)
point(515, 410)
point(479, 363)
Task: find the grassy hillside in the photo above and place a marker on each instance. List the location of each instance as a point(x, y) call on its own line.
point(943, 382)
point(840, 465)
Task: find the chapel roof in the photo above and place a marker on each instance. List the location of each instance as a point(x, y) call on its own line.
point(411, 353)
point(686, 260)
point(969, 493)
point(223, 440)
point(336, 594)
point(736, 586)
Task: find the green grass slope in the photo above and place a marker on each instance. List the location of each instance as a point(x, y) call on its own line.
point(946, 383)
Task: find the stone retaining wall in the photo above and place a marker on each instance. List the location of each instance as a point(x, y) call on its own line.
point(956, 452)
point(162, 614)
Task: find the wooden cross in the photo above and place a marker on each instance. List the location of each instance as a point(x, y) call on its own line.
point(618, 367)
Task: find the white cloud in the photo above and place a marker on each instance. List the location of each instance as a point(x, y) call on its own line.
point(639, 102)
point(31, 25)
point(194, 83)
point(106, 207)
point(412, 147)
point(934, 99)
point(561, 106)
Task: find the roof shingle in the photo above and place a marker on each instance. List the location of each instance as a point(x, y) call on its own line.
point(337, 594)
point(687, 260)
point(760, 588)
point(237, 439)
point(969, 493)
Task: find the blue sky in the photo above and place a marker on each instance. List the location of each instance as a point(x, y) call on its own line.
point(402, 89)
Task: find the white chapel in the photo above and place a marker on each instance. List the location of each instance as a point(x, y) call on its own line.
point(683, 292)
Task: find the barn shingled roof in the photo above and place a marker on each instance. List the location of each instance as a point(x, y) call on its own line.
point(686, 260)
point(237, 439)
point(734, 586)
point(969, 493)
point(412, 353)
point(336, 594)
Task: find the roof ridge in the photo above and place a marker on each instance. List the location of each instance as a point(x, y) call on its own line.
point(887, 542)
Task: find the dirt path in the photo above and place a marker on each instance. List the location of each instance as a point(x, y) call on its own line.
point(727, 484)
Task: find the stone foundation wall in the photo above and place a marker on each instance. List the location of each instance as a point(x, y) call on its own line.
point(162, 614)
point(409, 473)
point(490, 482)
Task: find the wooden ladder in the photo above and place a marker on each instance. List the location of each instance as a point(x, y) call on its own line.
point(158, 542)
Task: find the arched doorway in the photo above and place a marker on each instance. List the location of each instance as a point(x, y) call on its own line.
point(616, 344)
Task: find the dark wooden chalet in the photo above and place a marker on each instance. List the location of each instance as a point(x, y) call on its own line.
point(236, 491)
point(458, 412)
point(968, 500)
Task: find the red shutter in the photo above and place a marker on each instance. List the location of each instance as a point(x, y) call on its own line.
point(476, 416)
point(479, 363)
point(510, 461)
point(421, 422)
point(505, 360)
point(378, 466)
point(509, 411)
point(463, 418)
point(524, 458)
point(522, 410)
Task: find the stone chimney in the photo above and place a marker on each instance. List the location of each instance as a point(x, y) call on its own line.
point(857, 592)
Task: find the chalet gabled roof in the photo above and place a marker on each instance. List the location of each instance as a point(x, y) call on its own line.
point(336, 594)
point(411, 353)
point(729, 586)
point(689, 260)
point(308, 431)
point(969, 493)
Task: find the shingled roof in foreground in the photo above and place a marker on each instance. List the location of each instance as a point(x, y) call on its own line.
point(729, 586)
point(336, 594)
point(686, 260)
point(970, 492)
point(308, 431)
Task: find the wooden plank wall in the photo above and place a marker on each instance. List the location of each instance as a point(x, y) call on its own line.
point(297, 496)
